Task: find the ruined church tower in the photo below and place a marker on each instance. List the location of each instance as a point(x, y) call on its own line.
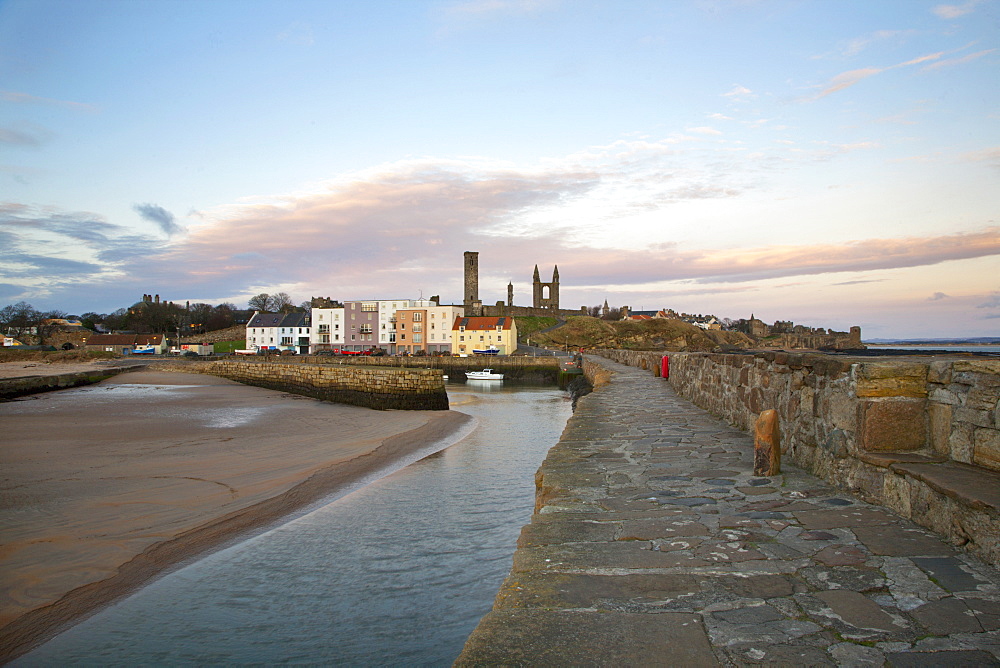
point(545, 295)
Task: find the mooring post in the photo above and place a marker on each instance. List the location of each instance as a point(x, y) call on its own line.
point(767, 444)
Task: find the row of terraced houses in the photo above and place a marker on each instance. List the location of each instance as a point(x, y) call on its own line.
point(411, 326)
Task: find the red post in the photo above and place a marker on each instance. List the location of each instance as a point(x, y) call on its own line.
point(665, 368)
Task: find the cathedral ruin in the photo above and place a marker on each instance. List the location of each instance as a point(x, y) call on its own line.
point(544, 296)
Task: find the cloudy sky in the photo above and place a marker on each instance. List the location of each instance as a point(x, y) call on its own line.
point(831, 162)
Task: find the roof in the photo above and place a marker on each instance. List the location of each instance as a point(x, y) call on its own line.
point(642, 316)
point(297, 319)
point(482, 323)
point(124, 339)
point(266, 320)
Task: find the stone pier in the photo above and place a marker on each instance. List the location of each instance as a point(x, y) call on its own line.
point(653, 543)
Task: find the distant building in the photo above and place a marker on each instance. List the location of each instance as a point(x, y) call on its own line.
point(125, 344)
point(469, 334)
point(327, 327)
point(425, 328)
point(279, 331)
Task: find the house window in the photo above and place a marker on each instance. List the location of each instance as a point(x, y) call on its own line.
point(324, 329)
point(352, 337)
point(418, 327)
point(402, 337)
point(369, 306)
point(286, 340)
point(402, 325)
point(366, 329)
point(418, 338)
point(417, 317)
point(461, 338)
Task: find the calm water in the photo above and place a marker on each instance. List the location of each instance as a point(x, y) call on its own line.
point(953, 349)
point(396, 573)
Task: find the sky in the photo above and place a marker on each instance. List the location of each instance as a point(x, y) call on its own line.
point(834, 162)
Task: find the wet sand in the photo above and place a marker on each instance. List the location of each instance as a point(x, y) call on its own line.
point(102, 491)
point(42, 368)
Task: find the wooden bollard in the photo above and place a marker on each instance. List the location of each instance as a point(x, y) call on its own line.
point(767, 444)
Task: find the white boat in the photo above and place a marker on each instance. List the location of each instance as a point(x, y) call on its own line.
point(485, 374)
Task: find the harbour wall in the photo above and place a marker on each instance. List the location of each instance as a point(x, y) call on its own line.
point(919, 437)
point(11, 388)
point(381, 388)
point(524, 368)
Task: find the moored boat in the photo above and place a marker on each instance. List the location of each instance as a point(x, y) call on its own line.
point(485, 374)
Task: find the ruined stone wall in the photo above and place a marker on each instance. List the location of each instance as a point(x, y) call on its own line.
point(922, 438)
point(372, 387)
point(831, 341)
point(502, 310)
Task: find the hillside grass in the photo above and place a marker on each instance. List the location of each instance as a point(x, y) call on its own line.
point(12, 354)
point(527, 326)
point(657, 334)
point(229, 346)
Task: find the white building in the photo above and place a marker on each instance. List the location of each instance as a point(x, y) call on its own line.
point(327, 332)
point(279, 331)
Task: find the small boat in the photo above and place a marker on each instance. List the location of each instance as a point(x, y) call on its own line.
point(485, 374)
point(492, 350)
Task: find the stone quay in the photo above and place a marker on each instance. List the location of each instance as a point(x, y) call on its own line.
point(653, 543)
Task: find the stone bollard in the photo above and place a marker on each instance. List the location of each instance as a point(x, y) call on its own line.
point(767, 444)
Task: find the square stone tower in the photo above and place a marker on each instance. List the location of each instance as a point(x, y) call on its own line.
point(473, 306)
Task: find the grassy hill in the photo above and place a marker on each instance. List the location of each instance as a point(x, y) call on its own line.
point(659, 334)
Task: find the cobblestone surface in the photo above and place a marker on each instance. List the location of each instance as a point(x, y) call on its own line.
point(654, 543)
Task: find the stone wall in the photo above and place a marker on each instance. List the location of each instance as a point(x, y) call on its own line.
point(922, 438)
point(834, 340)
point(541, 369)
point(11, 388)
point(372, 387)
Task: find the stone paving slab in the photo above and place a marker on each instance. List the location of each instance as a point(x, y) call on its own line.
point(654, 544)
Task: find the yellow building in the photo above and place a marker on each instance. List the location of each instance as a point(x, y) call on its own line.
point(469, 335)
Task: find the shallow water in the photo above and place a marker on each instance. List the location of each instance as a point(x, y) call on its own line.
point(396, 573)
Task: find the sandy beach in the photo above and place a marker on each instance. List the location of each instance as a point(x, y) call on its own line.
point(103, 491)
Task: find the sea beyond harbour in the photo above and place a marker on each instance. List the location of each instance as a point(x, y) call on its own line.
point(930, 347)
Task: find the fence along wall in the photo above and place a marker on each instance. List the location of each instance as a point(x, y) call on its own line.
point(922, 438)
point(382, 388)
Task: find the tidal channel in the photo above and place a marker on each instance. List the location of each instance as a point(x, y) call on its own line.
point(397, 572)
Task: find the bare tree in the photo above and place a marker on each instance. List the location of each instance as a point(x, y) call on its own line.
point(19, 319)
point(260, 302)
point(46, 327)
point(281, 302)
